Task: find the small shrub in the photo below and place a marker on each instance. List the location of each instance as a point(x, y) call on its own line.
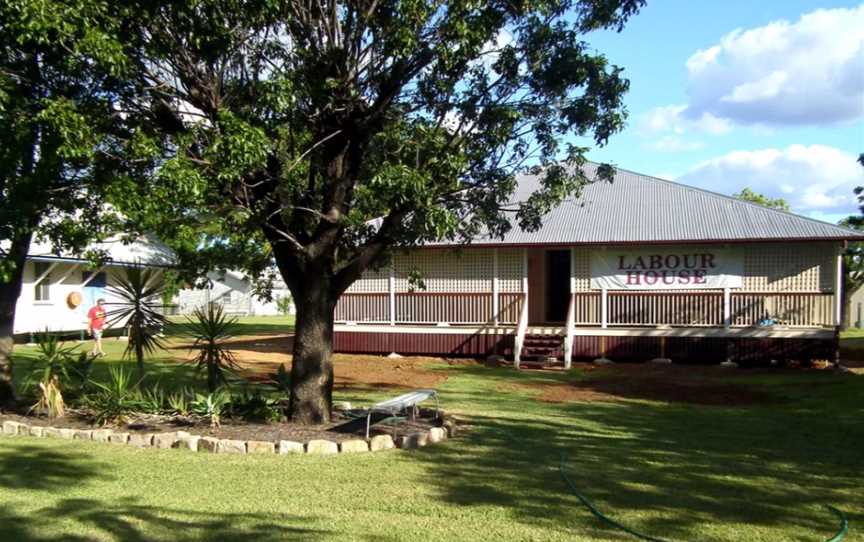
point(284, 305)
point(151, 400)
point(211, 327)
point(115, 401)
point(211, 406)
point(56, 370)
point(179, 402)
point(281, 379)
point(255, 407)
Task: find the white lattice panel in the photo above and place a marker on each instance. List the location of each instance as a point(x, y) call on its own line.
point(372, 281)
point(467, 270)
point(790, 267)
point(510, 270)
point(582, 269)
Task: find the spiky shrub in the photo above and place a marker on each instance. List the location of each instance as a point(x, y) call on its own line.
point(55, 369)
point(211, 406)
point(116, 400)
point(211, 328)
point(138, 296)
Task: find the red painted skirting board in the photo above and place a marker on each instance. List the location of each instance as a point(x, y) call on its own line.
point(424, 343)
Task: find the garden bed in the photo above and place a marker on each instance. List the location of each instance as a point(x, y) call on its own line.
point(236, 429)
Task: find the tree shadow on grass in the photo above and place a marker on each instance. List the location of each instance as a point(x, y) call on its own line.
point(32, 467)
point(130, 521)
point(668, 470)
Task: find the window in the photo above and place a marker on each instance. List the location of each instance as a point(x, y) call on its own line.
point(43, 288)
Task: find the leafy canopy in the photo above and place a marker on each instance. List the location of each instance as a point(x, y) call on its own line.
point(325, 133)
point(62, 69)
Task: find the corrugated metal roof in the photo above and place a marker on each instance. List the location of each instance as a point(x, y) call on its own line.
point(638, 208)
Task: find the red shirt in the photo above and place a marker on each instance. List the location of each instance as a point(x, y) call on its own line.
point(97, 318)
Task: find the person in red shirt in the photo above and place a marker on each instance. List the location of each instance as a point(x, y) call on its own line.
point(95, 324)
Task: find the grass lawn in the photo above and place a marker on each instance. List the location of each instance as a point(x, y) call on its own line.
point(680, 471)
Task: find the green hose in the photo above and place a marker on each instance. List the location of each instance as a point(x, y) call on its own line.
point(841, 534)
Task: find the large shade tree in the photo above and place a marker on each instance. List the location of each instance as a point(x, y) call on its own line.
point(60, 74)
point(322, 134)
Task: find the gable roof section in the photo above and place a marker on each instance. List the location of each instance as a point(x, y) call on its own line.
point(638, 208)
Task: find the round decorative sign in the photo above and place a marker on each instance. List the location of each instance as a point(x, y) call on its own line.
point(73, 300)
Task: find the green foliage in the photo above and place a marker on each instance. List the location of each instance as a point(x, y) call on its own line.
point(284, 305)
point(151, 400)
point(323, 142)
point(138, 295)
point(59, 369)
point(281, 380)
point(179, 402)
point(211, 406)
point(254, 406)
point(211, 328)
point(749, 195)
point(115, 401)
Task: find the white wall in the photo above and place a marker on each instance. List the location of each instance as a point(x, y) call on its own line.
point(33, 316)
point(233, 292)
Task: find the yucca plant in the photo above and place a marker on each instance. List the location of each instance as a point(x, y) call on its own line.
point(211, 406)
point(211, 327)
point(138, 295)
point(116, 400)
point(55, 366)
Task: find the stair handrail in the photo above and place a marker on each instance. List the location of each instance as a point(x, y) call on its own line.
point(571, 331)
point(521, 329)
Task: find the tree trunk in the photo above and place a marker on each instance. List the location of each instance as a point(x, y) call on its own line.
point(9, 293)
point(312, 367)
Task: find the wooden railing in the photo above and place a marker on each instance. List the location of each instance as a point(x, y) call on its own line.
point(790, 309)
point(673, 309)
point(363, 308)
point(429, 308)
point(640, 308)
point(703, 308)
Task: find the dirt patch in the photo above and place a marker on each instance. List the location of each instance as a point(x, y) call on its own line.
point(260, 357)
point(668, 384)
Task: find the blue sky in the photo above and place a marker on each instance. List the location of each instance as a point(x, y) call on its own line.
point(767, 95)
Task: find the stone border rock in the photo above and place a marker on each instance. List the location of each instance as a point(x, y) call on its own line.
point(196, 443)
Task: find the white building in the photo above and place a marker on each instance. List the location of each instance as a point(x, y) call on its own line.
point(235, 292)
point(50, 281)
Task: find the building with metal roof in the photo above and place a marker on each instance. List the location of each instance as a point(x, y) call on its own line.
point(633, 269)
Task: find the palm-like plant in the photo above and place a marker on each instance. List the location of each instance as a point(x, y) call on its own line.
point(138, 293)
point(211, 327)
point(57, 366)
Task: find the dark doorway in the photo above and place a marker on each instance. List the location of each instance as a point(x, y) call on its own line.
point(557, 285)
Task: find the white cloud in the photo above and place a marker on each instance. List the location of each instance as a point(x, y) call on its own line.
point(814, 179)
point(807, 72)
point(675, 144)
point(667, 127)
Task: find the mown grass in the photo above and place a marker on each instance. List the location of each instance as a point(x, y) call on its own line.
point(677, 471)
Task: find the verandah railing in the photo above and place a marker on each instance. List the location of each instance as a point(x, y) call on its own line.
point(622, 308)
point(429, 308)
point(703, 308)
